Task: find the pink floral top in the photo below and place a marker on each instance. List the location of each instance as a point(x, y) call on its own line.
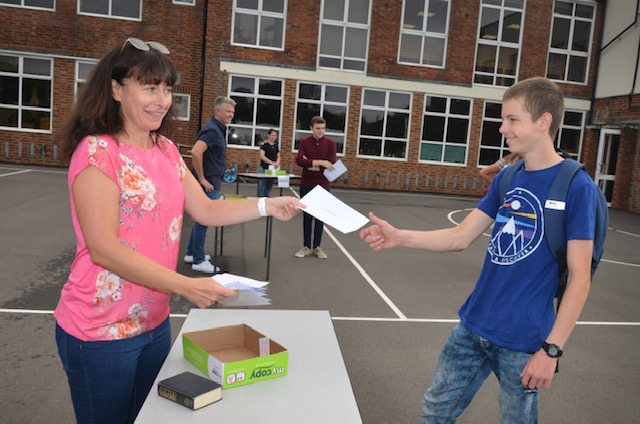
point(95, 303)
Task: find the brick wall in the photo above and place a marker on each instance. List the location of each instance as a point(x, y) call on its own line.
point(181, 28)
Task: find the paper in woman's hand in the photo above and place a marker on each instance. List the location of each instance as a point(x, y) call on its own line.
point(251, 292)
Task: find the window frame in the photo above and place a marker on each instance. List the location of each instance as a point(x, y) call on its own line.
point(499, 45)
point(568, 53)
point(255, 145)
point(110, 15)
point(260, 13)
point(23, 6)
point(187, 107)
point(504, 149)
point(424, 34)
point(447, 114)
point(184, 2)
point(383, 138)
point(322, 102)
point(19, 107)
point(78, 80)
point(345, 24)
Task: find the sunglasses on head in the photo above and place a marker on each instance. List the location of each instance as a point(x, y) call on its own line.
point(145, 45)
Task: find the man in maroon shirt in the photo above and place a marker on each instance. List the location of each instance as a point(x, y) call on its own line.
point(314, 154)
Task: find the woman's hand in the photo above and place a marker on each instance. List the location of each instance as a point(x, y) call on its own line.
point(284, 207)
point(202, 292)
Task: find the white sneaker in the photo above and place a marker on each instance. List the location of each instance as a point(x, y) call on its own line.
point(205, 266)
point(189, 258)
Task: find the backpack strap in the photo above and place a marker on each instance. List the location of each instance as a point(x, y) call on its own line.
point(554, 219)
point(505, 180)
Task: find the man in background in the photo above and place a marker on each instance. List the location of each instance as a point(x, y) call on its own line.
point(208, 157)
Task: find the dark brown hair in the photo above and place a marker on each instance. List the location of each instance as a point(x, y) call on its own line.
point(96, 111)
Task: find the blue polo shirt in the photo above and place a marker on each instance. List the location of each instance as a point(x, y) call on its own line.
point(214, 160)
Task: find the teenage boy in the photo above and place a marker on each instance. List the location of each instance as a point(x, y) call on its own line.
point(508, 325)
point(315, 153)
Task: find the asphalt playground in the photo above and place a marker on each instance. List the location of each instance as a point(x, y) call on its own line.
point(392, 311)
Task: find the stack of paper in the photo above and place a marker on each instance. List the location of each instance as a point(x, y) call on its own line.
point(252, 292)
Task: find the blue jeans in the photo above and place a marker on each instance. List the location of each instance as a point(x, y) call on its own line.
point(110, 380)
point(307, 220)
point(264, 185)
point(198, 234)
point(464, 364)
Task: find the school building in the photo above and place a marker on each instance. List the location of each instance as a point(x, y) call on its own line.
point(411, 89)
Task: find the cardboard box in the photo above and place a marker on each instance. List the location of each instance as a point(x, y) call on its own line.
point(235, 355)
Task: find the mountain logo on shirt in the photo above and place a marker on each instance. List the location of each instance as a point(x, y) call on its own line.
point(519, 228)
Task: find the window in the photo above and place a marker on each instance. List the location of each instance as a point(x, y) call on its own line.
point(328, 101)
point(185, 2)
point(180, 106)
point(499, 37)
point(445, 130)
point(83, 69)
point(423, 36)
point(493, 145)
point(36, 4)
point(25, 92)
point(121, 9)
point(570, 44)
point(259, 109)
point(569, 137)
point(259, 23)
point(384, 124)
point(344, 34)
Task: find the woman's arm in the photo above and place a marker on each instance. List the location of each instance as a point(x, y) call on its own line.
point(96, 199)
point(224, 212)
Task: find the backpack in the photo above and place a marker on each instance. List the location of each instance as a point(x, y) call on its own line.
point(554, 224)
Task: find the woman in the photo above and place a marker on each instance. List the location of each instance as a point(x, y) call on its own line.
point(269, 156)
point(129, 188)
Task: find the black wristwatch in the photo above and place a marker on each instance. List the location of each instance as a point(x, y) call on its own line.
point(552, 350)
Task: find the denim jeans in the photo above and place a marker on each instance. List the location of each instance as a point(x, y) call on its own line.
point(198, 234)
point(307, 220)
point(464, 364)
point(110, 380)
point(264, 185)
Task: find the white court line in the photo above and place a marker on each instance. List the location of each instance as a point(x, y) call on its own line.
point(364, 319)
point(15, 173)
point(362, 271)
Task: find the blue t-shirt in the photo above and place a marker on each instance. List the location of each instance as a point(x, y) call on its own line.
point(214, 160)
point(512, 303)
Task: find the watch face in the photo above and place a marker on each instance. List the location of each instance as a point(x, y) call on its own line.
point(553, 351)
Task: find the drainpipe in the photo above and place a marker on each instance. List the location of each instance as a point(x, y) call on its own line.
point(202, 59)
point(597, 58)
point(635, 74)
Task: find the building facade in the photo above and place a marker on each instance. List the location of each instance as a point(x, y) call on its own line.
point(411, 89)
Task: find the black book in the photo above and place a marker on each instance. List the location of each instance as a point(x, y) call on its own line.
point(190, 390)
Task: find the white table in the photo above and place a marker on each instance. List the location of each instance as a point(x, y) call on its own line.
point(260, 176)
point(316, 388)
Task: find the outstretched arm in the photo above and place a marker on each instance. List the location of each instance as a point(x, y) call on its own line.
point(383, 235)
point(224, 212)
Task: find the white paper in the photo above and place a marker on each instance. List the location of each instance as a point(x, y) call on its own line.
point(273, 168)
point(283, 181)
point(338, 169)
point(251, 292)
point(330, 210)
